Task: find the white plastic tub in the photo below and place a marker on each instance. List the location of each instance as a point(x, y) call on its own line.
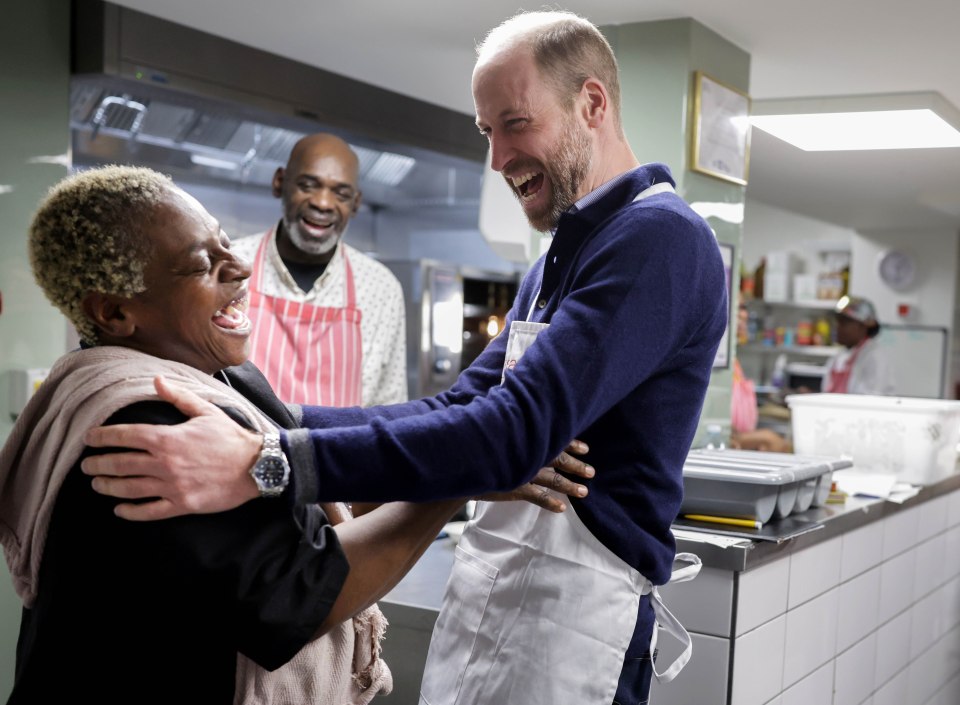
point(913, 439)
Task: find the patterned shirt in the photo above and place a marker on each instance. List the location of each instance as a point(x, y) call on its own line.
point(379, 296)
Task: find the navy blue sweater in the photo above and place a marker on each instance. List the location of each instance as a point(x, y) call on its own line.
point(636, 300)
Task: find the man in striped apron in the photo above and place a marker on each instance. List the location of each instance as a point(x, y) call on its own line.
point(328, 321)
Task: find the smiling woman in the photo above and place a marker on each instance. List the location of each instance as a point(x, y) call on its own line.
point(193, 308)
point(148, 278)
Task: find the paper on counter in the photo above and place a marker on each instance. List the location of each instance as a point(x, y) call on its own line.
point(880, 485)
point(901, 492)
point(857, 482)
point(713, 539)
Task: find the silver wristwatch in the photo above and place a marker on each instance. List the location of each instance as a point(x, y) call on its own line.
point(271, 471)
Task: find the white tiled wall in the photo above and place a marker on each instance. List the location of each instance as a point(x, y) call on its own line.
point(859, 606)
point(813, 571)
point(815, 688)
point(853, 679)
point(868, 618)
point(762, 595)
point(894, 692)
point(900, 532)
point(762, 680)
point(893, 648)
point(896, 584)
point(811, 636)
point(861, 550)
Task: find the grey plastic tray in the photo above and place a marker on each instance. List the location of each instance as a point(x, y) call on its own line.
point(731, 492)
point(756, 485)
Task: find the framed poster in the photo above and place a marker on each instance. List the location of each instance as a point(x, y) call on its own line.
point(722, 360)
point(720, 130)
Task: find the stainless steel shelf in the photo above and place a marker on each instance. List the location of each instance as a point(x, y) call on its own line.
point(811, 350)
point(817, 304)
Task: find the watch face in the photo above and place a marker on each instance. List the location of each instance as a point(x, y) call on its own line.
point(271, 473)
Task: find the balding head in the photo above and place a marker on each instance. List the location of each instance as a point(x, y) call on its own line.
point(320, 193)
point(323, 145)
point(567, 49)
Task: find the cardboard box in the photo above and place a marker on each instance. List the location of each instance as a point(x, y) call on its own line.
point(777, 286)
point(783, 262)
point(804, 287)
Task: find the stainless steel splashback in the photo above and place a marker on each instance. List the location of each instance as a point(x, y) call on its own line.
point(453, 312)
point(152, 92)
point(116, 41)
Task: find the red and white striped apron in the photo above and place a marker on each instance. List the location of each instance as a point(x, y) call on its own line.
point(838, 378)
point(309, 354)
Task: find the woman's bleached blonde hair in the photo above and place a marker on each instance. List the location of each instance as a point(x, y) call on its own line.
point(88, 236)
point(567, 48)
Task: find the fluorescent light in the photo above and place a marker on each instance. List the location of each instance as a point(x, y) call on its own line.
point(877, 129)
point(204, 160)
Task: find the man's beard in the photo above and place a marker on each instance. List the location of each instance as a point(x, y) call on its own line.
point(311, 245)
point(566, 168)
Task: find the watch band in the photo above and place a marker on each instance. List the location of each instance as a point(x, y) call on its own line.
point(271, 471)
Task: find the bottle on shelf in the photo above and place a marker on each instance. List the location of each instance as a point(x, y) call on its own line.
point(758, 278)
point(746, 283)
point(779, 376)
point(821, 332)
point(753, 327)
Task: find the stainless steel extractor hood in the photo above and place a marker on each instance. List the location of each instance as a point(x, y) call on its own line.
point(149, 91)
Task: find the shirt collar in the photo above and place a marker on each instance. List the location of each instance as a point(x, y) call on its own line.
point(599, 192)
point(274, 254)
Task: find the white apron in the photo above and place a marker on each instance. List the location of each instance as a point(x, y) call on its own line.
point(537, 611)
point(309, 354)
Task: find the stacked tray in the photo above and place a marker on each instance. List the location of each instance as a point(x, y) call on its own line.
point(757, 486)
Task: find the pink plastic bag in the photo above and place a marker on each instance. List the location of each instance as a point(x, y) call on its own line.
point(743, 402)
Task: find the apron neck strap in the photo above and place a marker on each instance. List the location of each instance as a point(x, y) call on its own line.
point(651, 190)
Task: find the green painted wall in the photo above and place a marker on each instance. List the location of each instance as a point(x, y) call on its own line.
point(657, 63)
point(34, 148)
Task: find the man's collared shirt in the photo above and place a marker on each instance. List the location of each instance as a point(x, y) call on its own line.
point(379, 297)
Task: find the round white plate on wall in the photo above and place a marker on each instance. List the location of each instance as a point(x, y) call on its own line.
point(897, 269)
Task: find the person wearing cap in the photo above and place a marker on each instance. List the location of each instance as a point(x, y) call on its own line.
point(862, 367)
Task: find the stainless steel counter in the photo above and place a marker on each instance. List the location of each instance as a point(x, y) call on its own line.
point(836, 519)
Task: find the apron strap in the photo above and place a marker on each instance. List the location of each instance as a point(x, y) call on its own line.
point(257, 274)
point(670, 624)
point(349, 292)
point(653, 190)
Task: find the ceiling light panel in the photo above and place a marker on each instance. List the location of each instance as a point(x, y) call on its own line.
point(879, 129)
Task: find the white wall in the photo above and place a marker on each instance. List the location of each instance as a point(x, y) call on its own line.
point(767, 228)
point(932, 297)
point(932, 294)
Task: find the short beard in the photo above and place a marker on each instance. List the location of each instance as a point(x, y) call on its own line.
point(567, 167)
point(310, 246)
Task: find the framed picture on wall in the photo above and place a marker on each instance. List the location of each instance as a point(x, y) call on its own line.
point(720, 130)
point(722, 360)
